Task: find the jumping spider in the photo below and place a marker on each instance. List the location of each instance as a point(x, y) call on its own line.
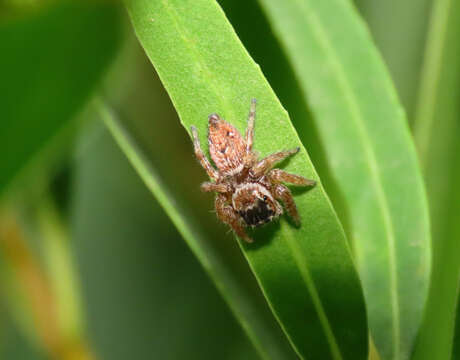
point(247, 189)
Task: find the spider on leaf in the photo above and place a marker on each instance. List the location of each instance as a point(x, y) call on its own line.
point(248, 189)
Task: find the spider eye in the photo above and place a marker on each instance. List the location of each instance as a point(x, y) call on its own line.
point(265, 197)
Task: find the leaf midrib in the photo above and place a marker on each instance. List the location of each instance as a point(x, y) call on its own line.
point(357, 116)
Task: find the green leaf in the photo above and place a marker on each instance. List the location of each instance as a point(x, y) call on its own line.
point(366, 140)
point(50, 62)
point(306, 273)
point(436, 131)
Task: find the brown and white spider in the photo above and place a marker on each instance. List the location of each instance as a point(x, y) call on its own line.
point(247, 189)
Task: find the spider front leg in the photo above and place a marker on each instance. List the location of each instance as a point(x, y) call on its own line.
point(212, 173)
point(250, 129)
point(278, 175)
point(282, 193)
point(271, 160)
point(250, 158)
point(219, 188)
point(228, 216)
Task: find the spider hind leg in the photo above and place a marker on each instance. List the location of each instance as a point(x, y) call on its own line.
point(227, 215)
point(271, 160)
point(278, 175)
point(282, 193)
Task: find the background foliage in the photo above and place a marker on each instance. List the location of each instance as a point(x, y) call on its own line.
point(99, 188)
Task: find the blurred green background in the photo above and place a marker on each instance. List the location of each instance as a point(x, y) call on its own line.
point(83, 233)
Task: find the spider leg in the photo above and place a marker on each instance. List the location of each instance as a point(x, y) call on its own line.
point(250, 128)
point(278, 175)
point(212, 173)
point(271, 160)
point(282, 193)
point(219, 188)
point(227, 215)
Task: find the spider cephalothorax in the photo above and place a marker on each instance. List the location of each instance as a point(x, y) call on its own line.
point(247, 189)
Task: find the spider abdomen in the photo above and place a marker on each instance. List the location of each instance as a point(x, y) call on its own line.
point(255, 204)
point(257, 215)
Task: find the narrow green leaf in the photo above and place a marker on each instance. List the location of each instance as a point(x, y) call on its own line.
point(306, 273)
point(436, 131)
point(366, 140)
point(50, 61)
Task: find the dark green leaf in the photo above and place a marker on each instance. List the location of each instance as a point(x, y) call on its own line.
point(50, 62)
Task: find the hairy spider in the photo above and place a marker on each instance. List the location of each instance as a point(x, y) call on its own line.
point(247, 189)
